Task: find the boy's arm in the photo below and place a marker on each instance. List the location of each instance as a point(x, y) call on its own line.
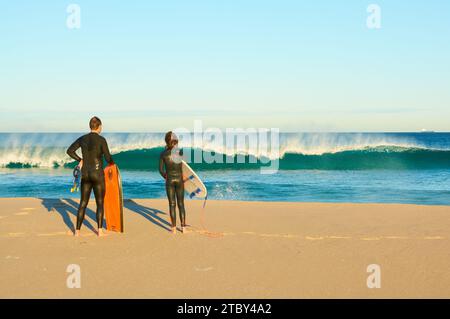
point(161, 167)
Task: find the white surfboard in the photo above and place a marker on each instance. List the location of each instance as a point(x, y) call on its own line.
point(193, 185)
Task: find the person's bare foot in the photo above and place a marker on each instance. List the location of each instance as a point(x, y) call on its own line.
point(184, 230)
point(100, 232)
point(174, 230)
point(77, 233)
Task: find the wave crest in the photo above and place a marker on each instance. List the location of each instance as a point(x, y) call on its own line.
point(379, 157)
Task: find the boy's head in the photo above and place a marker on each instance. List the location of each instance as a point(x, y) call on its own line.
point(171, 140)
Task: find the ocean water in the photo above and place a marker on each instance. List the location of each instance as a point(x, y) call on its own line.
point(313, 167)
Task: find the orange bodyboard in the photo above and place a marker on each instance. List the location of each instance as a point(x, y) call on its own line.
point(113, 199)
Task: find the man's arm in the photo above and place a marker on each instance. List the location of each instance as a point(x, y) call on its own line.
point(71, 151)
point(106, 152)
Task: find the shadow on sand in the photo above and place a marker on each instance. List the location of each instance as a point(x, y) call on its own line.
point(67, 207)
point(150, 214)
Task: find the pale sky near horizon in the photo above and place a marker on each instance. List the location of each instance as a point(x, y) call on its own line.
point(289, 64)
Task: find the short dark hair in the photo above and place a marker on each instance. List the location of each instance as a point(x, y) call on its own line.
point(94, 123)
point(171, 139)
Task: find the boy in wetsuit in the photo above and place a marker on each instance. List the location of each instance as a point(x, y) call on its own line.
point(170, 169)
point(93, 149)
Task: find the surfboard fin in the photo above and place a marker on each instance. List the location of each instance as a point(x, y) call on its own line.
point(204, 202)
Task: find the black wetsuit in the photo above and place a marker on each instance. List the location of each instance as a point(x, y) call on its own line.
point(170, 169)
point(93, 148)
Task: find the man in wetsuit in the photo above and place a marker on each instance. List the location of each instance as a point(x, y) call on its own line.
point(93, 149)
point(170, 169)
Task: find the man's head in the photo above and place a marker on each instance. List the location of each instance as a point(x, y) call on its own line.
point(95, 125)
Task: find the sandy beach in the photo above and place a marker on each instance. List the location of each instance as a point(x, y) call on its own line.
point(235, 250)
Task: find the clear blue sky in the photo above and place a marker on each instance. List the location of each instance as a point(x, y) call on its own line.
point(295, 65)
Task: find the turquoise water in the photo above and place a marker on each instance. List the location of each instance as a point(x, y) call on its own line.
point(313, 167)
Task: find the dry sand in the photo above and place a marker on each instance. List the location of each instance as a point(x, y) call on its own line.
point(252, 250)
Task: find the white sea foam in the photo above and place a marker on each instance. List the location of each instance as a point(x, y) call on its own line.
point(49, 150)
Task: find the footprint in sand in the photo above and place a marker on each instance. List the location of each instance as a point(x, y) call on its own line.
point(396, 237)
point(228, 234)
point(434, 237)
point(279, 235)
point(209, 234)
point(370, 238)
point(87, 235)
point(313, 238)
point(339, 237)
point(15, 235)
point(12, 257)
point(269, 235)
point(290, 236)
point(81, 235)
point(204, 269)
point(61, 233)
